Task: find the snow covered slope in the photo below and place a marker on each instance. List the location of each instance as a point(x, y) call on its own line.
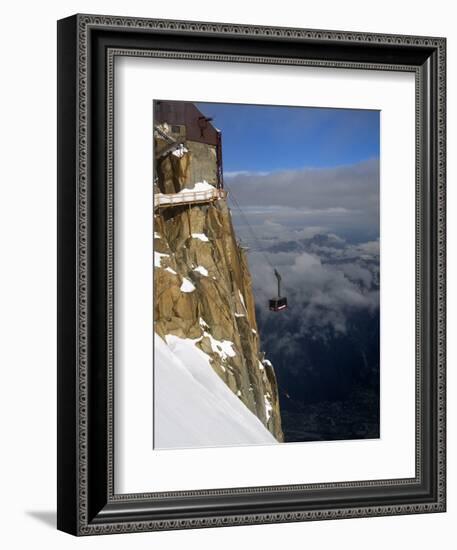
point(193, 406)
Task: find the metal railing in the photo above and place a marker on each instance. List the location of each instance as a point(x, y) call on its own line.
point(163, 200)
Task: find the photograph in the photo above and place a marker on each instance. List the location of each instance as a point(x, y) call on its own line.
point(251, 274)
point(266, 274)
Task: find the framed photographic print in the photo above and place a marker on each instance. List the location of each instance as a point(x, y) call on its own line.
point(251, 274)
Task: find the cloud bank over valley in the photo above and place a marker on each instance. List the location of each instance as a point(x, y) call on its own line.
point(320, 229)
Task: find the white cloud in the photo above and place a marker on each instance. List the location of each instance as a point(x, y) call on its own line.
point(236, 173)
point(343, 200)
point(307, 224)
point(324, 284)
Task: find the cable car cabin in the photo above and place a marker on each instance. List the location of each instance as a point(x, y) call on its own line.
point(279, 303)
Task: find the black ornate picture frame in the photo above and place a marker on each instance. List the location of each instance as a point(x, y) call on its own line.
point(87, 47)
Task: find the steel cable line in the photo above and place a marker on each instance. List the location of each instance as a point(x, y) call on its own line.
point(283, 301)
point(248, 225)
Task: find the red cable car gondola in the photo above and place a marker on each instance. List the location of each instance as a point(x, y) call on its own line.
point(279, 303)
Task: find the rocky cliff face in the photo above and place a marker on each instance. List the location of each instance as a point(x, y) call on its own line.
point(202, 292)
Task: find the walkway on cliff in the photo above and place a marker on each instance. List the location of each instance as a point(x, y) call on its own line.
point(201, 192)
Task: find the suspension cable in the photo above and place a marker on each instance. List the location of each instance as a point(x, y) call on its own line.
point(259, 245)
point(248, 225)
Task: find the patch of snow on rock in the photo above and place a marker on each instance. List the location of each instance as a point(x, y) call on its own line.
point(199, 186)
point(200, 236)
point(187, 285)
point(203, 186)
point(268, 406)
point(202, 270)
point(158, 258)
point(222, 347)
point(180, 151)
point(203, 323)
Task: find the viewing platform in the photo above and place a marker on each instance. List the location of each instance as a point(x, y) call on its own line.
point(202, 192)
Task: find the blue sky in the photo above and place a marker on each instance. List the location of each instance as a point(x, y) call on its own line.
point(258, 138)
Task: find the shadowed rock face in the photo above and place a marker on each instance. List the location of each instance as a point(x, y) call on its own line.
point(202, 291)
